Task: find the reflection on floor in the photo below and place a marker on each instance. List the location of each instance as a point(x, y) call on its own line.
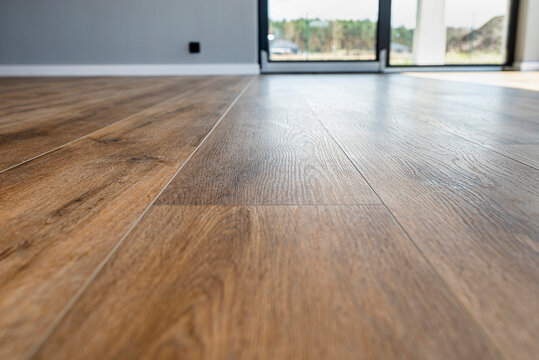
point(513, 79)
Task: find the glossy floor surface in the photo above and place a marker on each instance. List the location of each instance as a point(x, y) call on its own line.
point(269, 217)
point(527, 80)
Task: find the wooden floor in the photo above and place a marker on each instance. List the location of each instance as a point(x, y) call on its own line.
point(528, 80)
point(270, 217)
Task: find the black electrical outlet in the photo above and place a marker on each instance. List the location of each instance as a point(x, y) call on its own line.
point(194, 47)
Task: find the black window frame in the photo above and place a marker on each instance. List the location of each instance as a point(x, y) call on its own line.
point(383, 38)
point(263, 43)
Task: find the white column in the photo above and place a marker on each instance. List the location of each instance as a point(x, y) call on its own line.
point(527, 48)
point(430, 33)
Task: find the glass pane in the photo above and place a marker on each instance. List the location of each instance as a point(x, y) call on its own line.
point(448, 32)
point(318, 30)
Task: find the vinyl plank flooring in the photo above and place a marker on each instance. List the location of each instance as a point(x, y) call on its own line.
point(513, 132)
point(25, 140)
point(472, 212)
point(514, 138)
point(35, 93)
point(61, 214)
point(515, 135)
point(61, 102)
point(325, 217)
point(518, 103)
point(266, 282)
point(33, 89)
point(278, 154)
point(27, 87)
point(528, 80)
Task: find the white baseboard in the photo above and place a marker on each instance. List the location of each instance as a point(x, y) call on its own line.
point(526, 65)
point(129, 70)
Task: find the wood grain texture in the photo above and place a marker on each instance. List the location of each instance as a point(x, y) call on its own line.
point(472, 212)
point(34, 91)
point(278, 154)
point(61, 214)
point(494, 99)
point(30, 87)
point(269, 282)
point(258, 249)
point(23, 140)
point(474, 114)
point(506, 124)
point(55, 98)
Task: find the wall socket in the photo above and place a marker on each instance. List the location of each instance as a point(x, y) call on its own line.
point(194, 47)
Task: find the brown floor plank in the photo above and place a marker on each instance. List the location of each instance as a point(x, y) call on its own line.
point(456, 110)
point(227, 279)
point(24, 140)
point(61, 214)
point(518, 103)
point(471, 211)
point(269, 282)
point(34, 103)
point(37, 92)
point(513, 132)
point(43, 107)
point(279, 154)
point(26, 87)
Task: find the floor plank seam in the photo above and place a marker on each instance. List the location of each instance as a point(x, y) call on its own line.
point(486, 147)
point(173, 98)
point(34, 117)
point(463, 308)
point(461, 305)
point(456, 133)
point(58, 319)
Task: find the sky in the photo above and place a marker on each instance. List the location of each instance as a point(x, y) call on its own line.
point(459, 13)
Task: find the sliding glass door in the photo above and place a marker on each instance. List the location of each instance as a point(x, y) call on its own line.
point(334, 34)
point(369, 35)
point(322, 30)
point(449, 32)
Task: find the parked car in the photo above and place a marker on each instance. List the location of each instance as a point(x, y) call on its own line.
point(283, 46)
point(399, 48)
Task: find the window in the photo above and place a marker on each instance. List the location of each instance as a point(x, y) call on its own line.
point(322, 30)
point(449, 32)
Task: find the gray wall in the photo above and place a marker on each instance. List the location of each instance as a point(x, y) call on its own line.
point(127, 31)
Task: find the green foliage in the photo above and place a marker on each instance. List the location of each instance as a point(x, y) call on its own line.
point(403, 36)
point(349, 35)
